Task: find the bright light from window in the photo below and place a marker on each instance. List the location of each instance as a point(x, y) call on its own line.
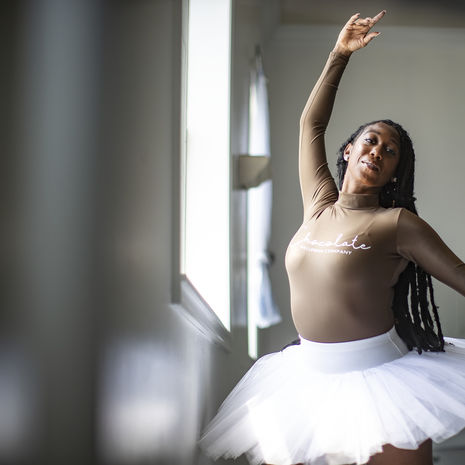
point(207, 161)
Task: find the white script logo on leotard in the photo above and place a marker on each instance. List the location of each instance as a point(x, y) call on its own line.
point(335, 246)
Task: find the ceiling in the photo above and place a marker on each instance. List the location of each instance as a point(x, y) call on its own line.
point(420, 13)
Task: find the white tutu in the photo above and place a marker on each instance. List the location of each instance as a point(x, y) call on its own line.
point(338, 403)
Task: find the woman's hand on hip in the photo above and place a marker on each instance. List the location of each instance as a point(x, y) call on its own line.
point(356, 33)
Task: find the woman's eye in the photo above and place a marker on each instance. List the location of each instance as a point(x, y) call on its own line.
point(389, 150)
point(369, 140)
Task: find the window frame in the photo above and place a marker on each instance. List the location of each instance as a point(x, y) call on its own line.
point(187, 302)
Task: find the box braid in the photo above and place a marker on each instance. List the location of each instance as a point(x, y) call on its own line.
point(414, 323)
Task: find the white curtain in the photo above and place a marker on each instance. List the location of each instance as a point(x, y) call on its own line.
point(261, 306)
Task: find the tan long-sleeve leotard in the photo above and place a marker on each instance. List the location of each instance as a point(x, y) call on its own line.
point(346, 257)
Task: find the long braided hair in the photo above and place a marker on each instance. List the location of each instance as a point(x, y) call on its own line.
point(414, 322)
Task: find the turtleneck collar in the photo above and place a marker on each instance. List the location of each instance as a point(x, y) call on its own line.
point(358, 201)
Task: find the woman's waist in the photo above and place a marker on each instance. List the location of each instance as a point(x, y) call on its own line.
point(321, 323)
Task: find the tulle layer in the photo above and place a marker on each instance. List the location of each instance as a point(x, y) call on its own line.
point(284, 411)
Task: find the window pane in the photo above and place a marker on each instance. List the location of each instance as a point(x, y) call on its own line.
point(207, 161)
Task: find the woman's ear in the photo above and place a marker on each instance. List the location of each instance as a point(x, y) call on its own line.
point(347, 151)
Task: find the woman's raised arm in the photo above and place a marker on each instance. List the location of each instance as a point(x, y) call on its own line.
point(316, 182)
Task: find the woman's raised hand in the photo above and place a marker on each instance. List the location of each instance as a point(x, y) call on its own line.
point(356, 33)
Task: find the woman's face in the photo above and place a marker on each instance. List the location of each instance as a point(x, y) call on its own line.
point(372, 159)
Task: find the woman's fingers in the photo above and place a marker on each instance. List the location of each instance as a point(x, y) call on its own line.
point(371, 36)
point(363, 22)
point(378, 17)
point(353, 19)
point(368, 21)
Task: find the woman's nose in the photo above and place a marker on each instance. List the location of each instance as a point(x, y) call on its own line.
point(376, 152)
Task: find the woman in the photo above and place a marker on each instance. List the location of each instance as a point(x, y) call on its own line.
point(354, 390)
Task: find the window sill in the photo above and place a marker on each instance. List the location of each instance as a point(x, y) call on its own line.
point(198, 313)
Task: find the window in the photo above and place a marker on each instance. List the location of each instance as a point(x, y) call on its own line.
point(205, 170)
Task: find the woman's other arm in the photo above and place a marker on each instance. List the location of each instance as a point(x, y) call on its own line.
point(316, 182)
point(418, 242)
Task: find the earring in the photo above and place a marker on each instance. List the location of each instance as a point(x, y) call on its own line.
point(394, 180)
point(346, 157)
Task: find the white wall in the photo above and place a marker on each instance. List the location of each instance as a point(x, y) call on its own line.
point(411, 75)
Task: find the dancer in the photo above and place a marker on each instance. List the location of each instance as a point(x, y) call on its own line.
point(372, 379)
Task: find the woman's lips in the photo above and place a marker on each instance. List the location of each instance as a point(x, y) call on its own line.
point(370, 165)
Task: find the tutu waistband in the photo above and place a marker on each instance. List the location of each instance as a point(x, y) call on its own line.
point(339, 357)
